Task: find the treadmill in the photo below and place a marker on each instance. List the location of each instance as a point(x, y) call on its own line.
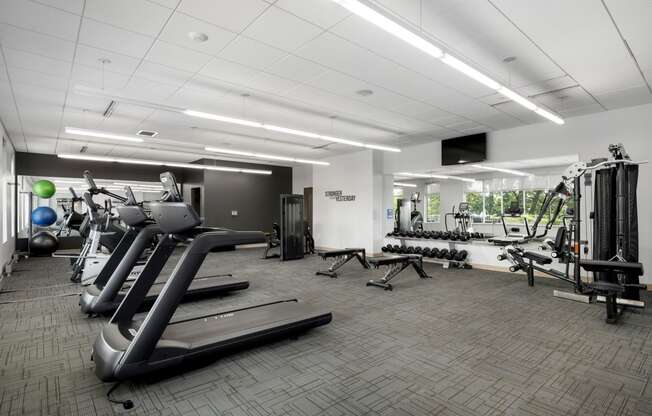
point(109, 289)
point(126, 348)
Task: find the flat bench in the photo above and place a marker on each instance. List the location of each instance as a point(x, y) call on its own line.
point(396, 264)
point(341, 258)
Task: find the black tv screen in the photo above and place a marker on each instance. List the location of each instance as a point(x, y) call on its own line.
point(467, 149)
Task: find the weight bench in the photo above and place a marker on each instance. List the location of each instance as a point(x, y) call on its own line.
point(396, 265)
point(537, 258)
point(341, 258)
point(506, 241)
point(611, 292)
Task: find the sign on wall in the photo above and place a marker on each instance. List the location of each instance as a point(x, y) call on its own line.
point(337, 196)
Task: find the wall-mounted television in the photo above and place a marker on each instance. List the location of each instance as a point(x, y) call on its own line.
point(466, 149)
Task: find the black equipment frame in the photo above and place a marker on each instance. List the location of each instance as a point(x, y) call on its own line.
point(341, 258)
point(396, 265)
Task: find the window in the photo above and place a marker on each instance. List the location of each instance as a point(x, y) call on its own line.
point(493, 202)
point(433, 203)
point(476, 206)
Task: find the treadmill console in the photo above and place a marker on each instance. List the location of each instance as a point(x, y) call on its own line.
point(131, 213)
point(90, 181)
point(171, 213)
point(170, 187)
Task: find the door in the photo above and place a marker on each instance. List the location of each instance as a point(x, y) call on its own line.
point(307, 205)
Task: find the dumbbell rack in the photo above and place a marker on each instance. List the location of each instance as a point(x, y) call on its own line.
point(463, 264)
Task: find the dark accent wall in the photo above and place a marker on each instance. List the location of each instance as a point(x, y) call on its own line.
point(37, 164)
point(255, 197)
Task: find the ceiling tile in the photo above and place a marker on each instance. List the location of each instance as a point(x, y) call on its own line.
point(573, 46)
point(147, 90)
point(296, 68)
point(177, 57)
point(72, 6)
point(240, 14)
point(633, 18)
point(281, 29)
point(96, 78)
point(170, 4)
point(228, 71)
point(93, 57)
point(39, 79)
point(136, 15)
point(21, 39)
point(43, 19)
point(251, 53)
point(625, 98)
point(26, 60)
point(323, 13)
point(271, 83)
point(162, 74)
point(180, 25)
point(101, 35)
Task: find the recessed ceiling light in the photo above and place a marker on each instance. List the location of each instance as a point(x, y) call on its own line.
point(104, 61)
point(198, 36)
point(509, 59)
point(364, 93)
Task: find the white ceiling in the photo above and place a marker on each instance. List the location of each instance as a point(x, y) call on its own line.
point(300, 62)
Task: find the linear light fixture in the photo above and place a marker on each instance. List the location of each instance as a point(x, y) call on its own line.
point(429, 176)
point(102, 135)
point(263, 156)
point(510, 171)
point(161, 163)
point(407, 185)
point(286, 130)
point(369, 14)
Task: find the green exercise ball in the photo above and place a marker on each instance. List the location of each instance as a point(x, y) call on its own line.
point(43, 188)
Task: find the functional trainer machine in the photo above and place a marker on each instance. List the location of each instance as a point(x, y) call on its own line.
point(109, 289)
point(341, 258)
point(395, 265)
point(615, 238)
point(127, 348)
point(291, 234)
point(273, 241)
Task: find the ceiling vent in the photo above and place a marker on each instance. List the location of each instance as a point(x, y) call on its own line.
point(147, 133)
point(109, 109)
point(83, 149)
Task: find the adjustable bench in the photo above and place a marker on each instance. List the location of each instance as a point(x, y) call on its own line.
point(396, 265)
point(272, 241)
point(341, 258)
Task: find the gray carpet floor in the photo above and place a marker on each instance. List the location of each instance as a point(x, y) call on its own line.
point(467, 342)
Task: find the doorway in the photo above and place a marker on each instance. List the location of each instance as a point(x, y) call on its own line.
point(307, 205)
point(195, 199)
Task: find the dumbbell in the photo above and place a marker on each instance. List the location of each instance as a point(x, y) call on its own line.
point(454, 236)
point(426, 252)
point(395, 248)
point(464, 237)
point(401, 233)
point(451, 254)
point(410, 250)
point(403, 250)
point(442, 253)
point(434, 253)
point(461, 255)
point(445, 235)
point(418, 234)
point(418, 250)
point(410, 234)
point(384, 248)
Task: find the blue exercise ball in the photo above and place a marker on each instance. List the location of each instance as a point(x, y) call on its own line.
point(44, 216)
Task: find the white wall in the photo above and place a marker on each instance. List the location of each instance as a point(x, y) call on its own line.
point(341, 224)
point(302, 177)
point(587, 136)
point(7, 189)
